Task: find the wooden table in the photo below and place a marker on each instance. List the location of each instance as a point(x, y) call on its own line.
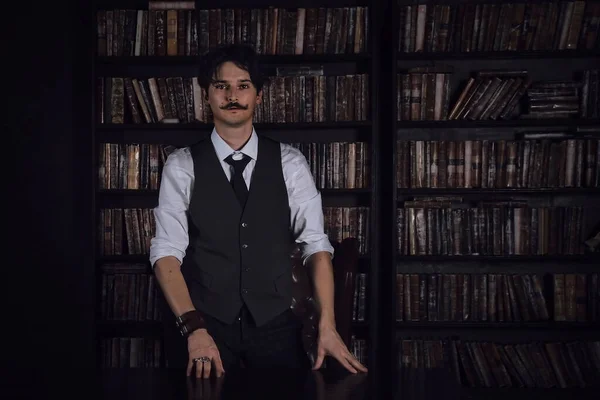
point(167, 384)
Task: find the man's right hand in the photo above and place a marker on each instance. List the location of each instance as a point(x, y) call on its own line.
point(201, 344)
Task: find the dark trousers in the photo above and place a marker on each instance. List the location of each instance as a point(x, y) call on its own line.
point(276, 344)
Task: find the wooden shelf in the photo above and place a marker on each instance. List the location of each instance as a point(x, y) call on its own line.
point(497, 55)
point(360, 325)
point(406, 192)
point(543, 325)
point(409, 2)
point(124, 258)
point(186, 134)
point(583, 258)
point(187, 66)
point(154, 193)
point(497, 264)
point(143, 4)
point(280, 59)
point(146, 60)
point(495, 124)
point(129, 328)
point(194, 126)
point(364, 264)
point(504, 334)
point(123, 198)
point(127, 192)
point(154, 329)
point(143, 258)
point(265, 59)
point(102, 128)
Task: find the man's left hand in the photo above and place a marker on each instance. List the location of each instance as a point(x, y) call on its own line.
point(331, 344)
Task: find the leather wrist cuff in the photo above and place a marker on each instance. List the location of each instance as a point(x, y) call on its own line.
point(189, 322)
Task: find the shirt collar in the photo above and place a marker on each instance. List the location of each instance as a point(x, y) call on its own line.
point(223, 150)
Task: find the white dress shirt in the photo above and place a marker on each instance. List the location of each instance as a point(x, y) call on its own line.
point(177, 186)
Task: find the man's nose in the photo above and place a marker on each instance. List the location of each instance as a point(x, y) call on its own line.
point(231, 94)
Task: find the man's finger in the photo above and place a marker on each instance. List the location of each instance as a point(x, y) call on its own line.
point(219, 365)
point(198, 366)
point(354, 361)
point(319, 360)
point(346, 364)
point(189, 367)
point(357, 364)
point(206, 366)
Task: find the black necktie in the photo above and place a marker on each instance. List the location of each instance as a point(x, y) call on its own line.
point(237, 180)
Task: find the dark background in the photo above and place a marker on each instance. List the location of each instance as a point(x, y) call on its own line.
point(48, 310)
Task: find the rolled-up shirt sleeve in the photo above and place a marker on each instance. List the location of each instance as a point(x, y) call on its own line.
point(171, 236)
point(306, 207)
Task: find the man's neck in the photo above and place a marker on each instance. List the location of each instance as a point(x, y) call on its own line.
point(237, 136)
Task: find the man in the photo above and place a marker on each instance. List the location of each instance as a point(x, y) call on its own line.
point(232, 205)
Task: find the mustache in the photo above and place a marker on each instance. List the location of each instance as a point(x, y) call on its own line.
point(234, 105)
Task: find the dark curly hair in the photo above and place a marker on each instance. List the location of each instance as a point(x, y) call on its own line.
point(243, 56)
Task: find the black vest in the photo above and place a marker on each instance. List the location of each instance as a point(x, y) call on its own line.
point(239, 256)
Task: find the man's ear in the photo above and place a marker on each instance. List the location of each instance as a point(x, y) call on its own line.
point(259, 97)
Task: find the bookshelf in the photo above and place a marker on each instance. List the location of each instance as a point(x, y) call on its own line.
point(555, 189)
point(326, 133)
point(476, 281)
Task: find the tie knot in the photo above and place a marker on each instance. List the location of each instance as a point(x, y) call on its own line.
point(238, 165)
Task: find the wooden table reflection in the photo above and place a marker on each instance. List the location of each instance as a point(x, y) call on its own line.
point(282, 384)
point(149, 384)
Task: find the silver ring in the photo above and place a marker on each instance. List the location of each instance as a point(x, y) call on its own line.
point(202, 359)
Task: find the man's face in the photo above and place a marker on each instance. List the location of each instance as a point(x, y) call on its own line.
point(232, 96)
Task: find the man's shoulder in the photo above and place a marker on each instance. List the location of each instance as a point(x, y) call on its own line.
point(198, 147)
point(180, 152)
point(290, 153)
point(179, 156)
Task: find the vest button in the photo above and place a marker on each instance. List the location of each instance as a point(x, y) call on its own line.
point(247, 269)
point(244, 246)
point(244, 291)
point(244, 224)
